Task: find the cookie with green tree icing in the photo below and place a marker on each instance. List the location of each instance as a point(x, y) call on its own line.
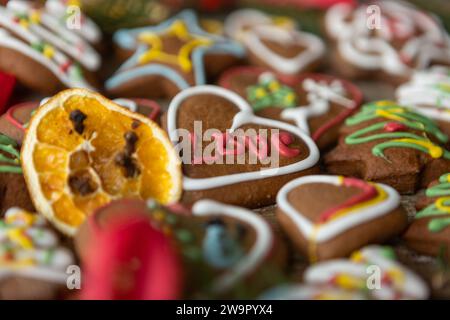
point(430, 231)
point(392, 144)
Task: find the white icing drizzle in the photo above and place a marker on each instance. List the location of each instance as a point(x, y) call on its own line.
point(329, 230)
point(258, 252)
point(51, 31)
point(408, 284)
point(20, 39)
point(252, 27)
point(319, 96)
point(374, 51)
point(428, 93)
point(43, 259)
point(243, 117)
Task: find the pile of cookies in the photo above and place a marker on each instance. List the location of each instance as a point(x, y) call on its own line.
point(213, 163)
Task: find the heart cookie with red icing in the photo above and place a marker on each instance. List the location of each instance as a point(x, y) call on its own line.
point(231, 155)
point(331, 216)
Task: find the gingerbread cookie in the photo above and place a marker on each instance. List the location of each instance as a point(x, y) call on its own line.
point(13, 190)
point(373, 272)
point(428, 92)
point(225, 251)
point(43, 55)
point(316, 103)
point(389, 143)
point(330, 216)
point(310, 292)
point(386, 40)
point(231, 155)
point(275, 43)
point(170, 57)
point(32, 262)
point(430, 231)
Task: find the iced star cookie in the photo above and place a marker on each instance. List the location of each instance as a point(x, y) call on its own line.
point(170, 57)
point(275, 42)
point(225, 251)
point(231, 155)
point(43, 55)
point(428, 92)
point(13, 190)
point(391, 47)
point(330, 216)
point(390, 143)
point(316, 103)
point(15, 120)
point(430, 231)
point(358, 275)
point(32, 261)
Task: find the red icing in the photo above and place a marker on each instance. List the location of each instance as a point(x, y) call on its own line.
point(394, 126)
point(130, 259)
point(7, 84)
point(369, 192)
point(257, 146)
point(354, 93)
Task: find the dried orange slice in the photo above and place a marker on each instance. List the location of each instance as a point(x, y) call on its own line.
point(82, 151)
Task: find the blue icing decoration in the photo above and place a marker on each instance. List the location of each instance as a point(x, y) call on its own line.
point(220, 250)
point(126, 38)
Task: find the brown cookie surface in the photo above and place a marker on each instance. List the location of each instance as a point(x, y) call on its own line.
point(381, 144)
point(330, 216)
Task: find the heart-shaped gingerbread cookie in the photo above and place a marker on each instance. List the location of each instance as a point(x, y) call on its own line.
point(263, 156)
point(331, 216)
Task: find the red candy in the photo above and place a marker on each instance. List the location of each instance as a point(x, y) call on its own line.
point(7, 84)
point(394, 127)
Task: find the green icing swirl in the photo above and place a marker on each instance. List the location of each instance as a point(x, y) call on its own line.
point(442, 217)
point(11, 163)
point(398, 115)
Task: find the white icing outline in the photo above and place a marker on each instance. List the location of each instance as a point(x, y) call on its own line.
point(252, 27)
point(259, 251)
point(339, 225)
point(243, 117)
point(323, 272)
point(422, 95)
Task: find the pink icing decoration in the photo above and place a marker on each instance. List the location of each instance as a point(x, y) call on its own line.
point(394, 126)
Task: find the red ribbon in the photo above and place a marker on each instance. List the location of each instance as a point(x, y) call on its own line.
point(7, 84)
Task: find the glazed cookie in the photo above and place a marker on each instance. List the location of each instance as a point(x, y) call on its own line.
point(357, 275)
point(405, 40)
point(331, 216)
point(32, 262)
point(316, 103)
point(14, 122)
point(43, 55)
point(274, 42)
point(13, 190)
point(225, 251)
point(430, 231)
point(170, 57)
point(231, 155)
point(389, 143)
point(428, 92)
